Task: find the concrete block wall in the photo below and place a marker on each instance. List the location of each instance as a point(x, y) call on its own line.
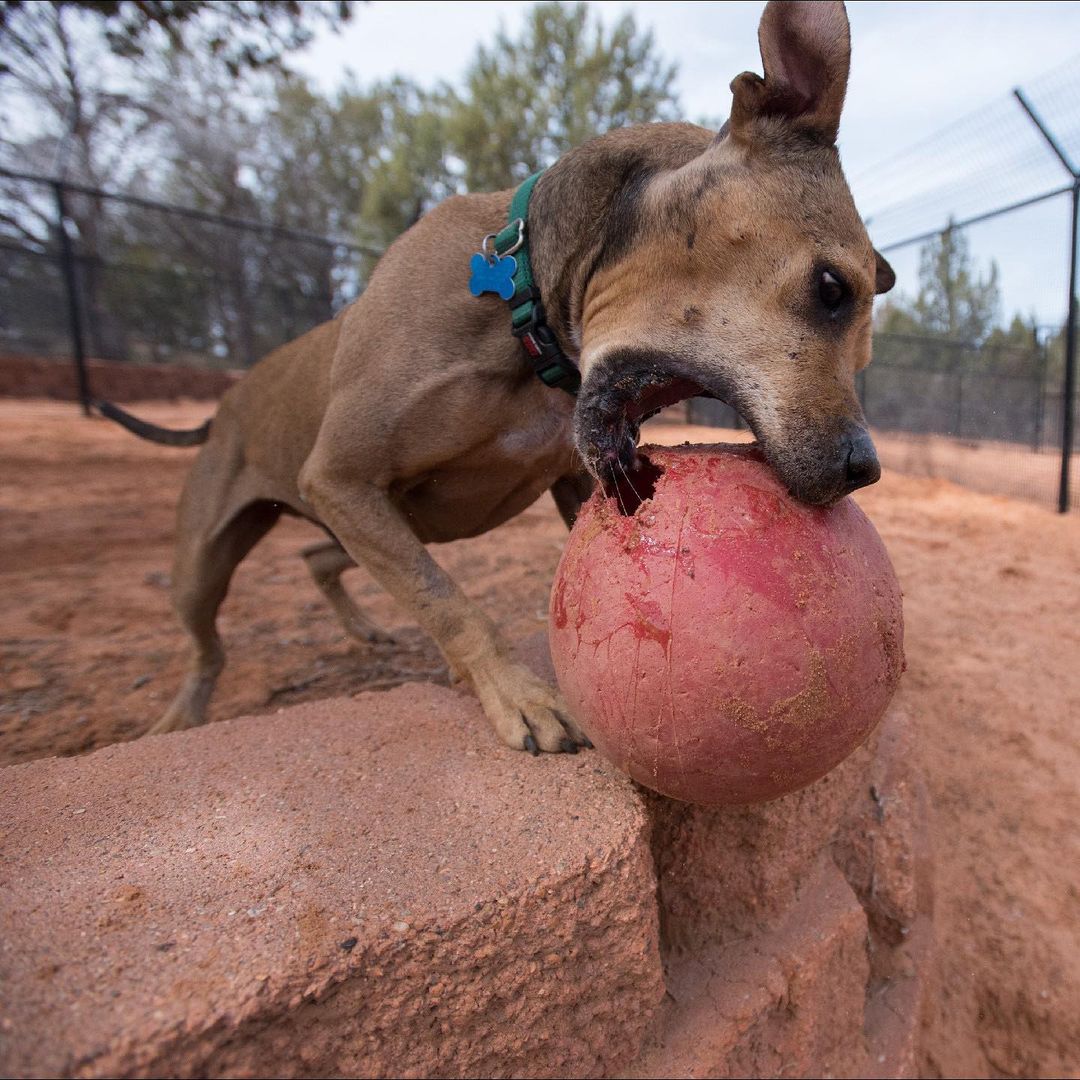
point(373, 886)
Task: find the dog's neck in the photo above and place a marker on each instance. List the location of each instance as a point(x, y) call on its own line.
point(585, 212)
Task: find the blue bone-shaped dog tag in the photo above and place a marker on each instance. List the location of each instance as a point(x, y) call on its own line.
point(494, 275)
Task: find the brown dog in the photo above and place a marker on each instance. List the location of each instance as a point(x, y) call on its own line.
point(672, 261)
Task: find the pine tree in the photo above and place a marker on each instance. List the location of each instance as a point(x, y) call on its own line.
point(562, 81)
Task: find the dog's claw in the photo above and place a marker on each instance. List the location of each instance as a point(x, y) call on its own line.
point(526, 711)
point(587, 742)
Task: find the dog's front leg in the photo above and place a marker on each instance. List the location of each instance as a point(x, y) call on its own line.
point(525, 711)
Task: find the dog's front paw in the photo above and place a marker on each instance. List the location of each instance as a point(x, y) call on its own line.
point(526, 712)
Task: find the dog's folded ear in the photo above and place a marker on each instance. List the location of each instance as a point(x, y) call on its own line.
point(884, 275)
point(806, 51)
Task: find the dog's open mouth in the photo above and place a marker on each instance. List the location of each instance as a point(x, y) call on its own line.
point(622, 409)
point(825, 462)
point(660, 397)
point(617, 397)
point(616, 400)
point(630, 486)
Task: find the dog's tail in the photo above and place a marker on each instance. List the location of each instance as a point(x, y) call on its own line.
point(165, 436)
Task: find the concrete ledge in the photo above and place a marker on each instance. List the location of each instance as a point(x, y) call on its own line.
point(784, 1003)
point(352, 887)
point(884, 850)
point(373, 886)
point(797, 935)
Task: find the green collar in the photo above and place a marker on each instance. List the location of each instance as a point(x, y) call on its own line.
point(528, 321)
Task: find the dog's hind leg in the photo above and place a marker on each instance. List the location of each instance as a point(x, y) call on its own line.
point(202, 570)
point(221, 518)
point(327, 561)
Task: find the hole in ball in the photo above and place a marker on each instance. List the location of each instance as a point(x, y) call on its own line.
point(628, 490)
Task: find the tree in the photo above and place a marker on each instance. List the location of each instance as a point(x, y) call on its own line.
point(1015, 349)
point(314, 155)
point(182, 120)
point(83, 122)
point(953, 302)
point(564, 80)
point(179, 119)
point(242, 34)
point(204, 148)
point(1055, 352)
point(525, 101)
point(412, 171)
point(894, 316)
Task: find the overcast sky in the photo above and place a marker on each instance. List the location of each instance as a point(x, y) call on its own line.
point(915, 66)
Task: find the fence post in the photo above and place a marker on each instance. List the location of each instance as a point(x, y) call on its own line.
point(1069, 388)
point(956, 369)
point(1042, 353)
point(71, 286)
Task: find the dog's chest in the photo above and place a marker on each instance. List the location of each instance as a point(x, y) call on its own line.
point(534, 444)
point(490, 483)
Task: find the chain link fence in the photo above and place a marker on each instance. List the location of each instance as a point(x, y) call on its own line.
point(96, 275)
point(112, 277)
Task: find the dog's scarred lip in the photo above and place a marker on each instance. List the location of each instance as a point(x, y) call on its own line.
point(626, 429)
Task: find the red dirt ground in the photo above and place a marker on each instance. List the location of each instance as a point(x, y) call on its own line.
point(91, 654)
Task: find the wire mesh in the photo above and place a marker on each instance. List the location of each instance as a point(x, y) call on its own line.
point(161, 284)
point(987, 160)
point(990, 422)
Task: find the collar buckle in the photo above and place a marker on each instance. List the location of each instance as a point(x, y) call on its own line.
point(549, 363)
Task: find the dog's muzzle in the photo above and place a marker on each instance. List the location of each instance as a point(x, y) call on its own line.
point(818, 465)
point(822, 472)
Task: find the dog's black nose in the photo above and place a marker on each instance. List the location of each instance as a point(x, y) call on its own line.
point(862, 463)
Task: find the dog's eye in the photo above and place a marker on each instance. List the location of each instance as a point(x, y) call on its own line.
point(831, 290)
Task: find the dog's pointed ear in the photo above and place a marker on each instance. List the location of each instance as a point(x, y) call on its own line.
point(884, 275)
point(806, 51)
